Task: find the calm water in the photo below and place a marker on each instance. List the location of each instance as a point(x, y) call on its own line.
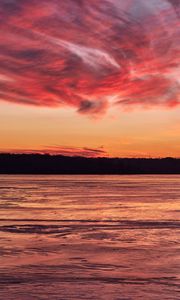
point(89, 237)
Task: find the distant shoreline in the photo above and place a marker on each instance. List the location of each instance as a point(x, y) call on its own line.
point(44, 164)
point(87, 174)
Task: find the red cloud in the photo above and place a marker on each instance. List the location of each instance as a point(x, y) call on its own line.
point(90, 55)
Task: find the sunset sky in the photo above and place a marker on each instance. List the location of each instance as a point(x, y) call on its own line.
point(89, 77)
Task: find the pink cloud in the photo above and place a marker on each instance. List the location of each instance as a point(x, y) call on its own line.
point(90, 55)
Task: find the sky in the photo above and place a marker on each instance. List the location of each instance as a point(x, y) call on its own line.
point(91, 78)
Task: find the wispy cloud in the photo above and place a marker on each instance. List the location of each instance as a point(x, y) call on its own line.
point(62, 150)
point(90, 55)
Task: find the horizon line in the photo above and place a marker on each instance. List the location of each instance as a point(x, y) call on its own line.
point(87, 157)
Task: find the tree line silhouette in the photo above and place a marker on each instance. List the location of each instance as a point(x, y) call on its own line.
point(58, 164)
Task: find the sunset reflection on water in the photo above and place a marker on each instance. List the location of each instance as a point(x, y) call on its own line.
point(89, 237)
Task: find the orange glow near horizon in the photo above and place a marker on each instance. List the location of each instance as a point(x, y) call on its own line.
point(132, 134)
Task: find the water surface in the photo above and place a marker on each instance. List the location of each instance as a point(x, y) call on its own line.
point(89, 237)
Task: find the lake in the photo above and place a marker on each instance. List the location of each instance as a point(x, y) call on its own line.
point(89, 237)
